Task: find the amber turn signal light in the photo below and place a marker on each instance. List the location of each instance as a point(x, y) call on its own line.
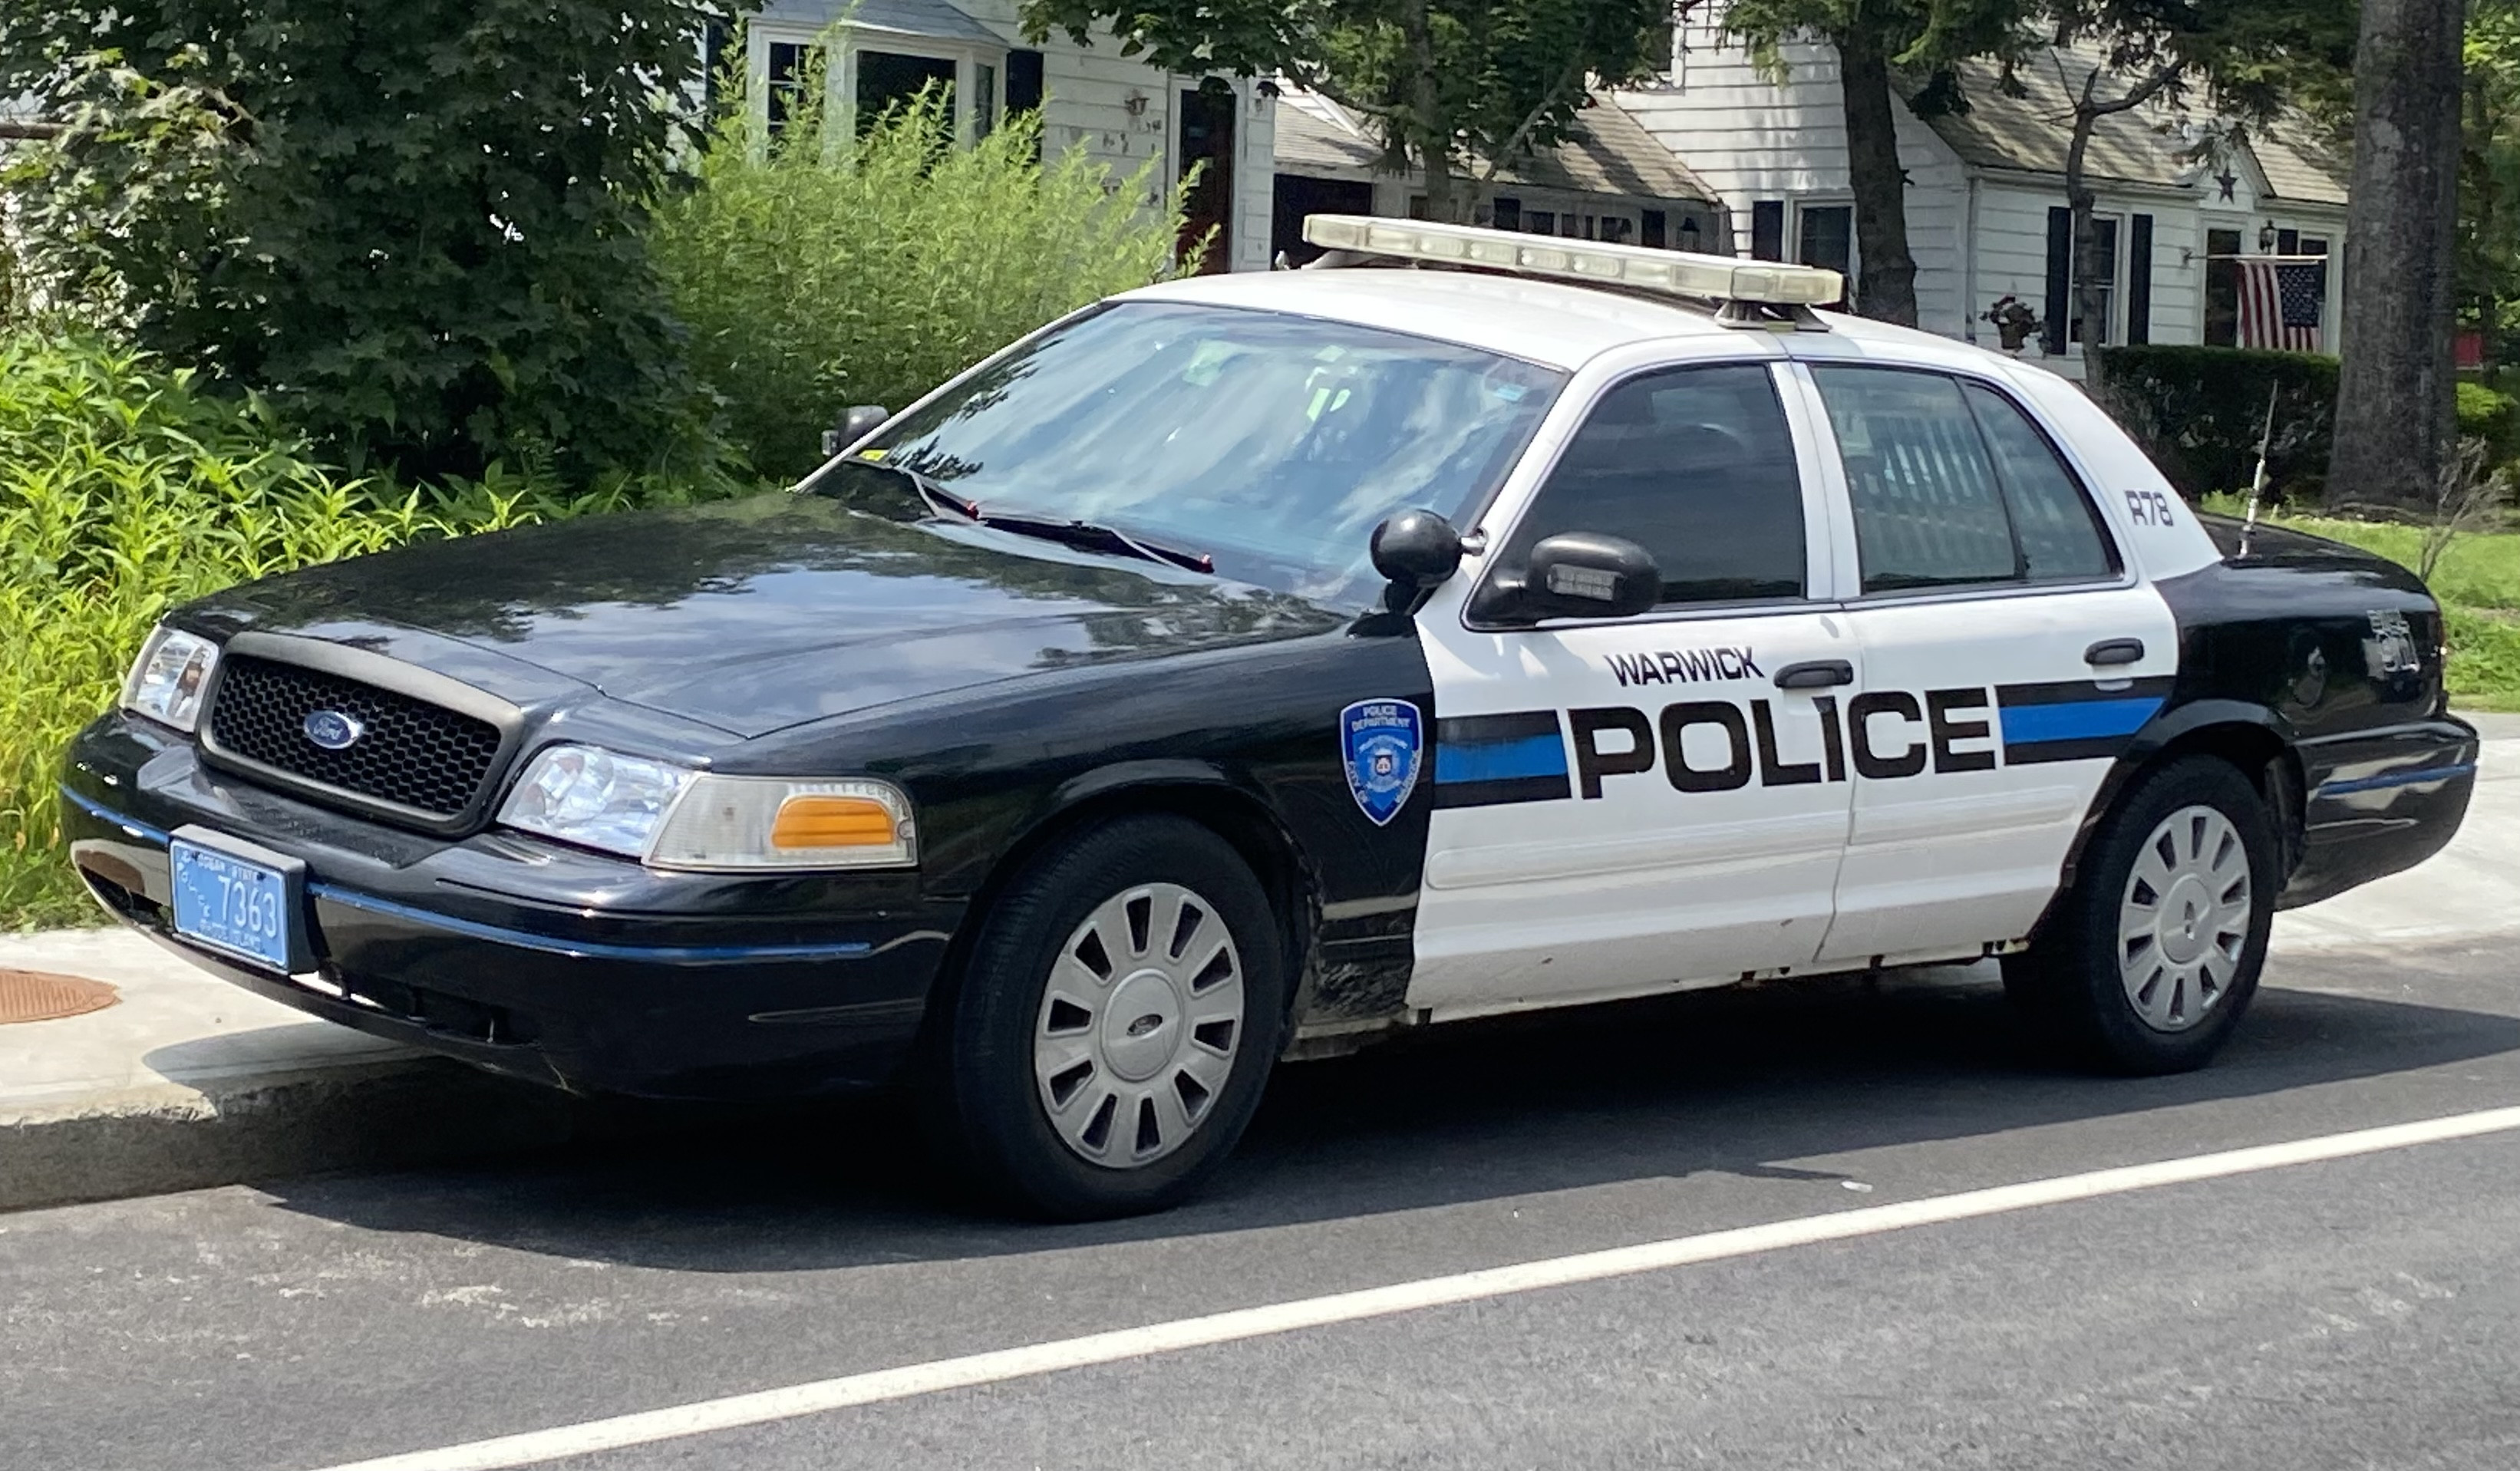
point(827, 822)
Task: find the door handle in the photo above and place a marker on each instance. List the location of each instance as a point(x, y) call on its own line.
point(1818, 674)
point(2114, 651)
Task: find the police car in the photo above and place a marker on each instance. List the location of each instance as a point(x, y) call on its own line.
point(1253, 664)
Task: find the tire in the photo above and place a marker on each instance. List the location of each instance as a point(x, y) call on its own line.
point(1074, 1006)
point(2166, 997)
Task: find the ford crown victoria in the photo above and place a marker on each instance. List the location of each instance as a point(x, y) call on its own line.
point(1474, 623)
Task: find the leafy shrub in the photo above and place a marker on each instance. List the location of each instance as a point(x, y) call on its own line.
point(122, 490)
point(417, 228)
point(817, 269)
point(2488, 414)
point(2201, 411)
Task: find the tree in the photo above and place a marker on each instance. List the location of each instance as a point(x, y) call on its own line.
point(2395, 411)
point(2489, 172)
point(416, 229)
point(1872, 37)
point(2244, 58)
point(1451, 84)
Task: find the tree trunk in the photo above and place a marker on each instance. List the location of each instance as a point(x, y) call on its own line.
point(2082, 288)
point(1886, 282)
point(1428, 138)
point(2395, 419)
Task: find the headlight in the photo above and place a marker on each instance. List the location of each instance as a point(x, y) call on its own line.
point(670, 818)
point(581, 794)
point(167, 679)
point(773, 823)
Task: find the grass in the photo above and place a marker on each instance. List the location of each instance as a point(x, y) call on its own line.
point(125, 491)
point(2478, 583)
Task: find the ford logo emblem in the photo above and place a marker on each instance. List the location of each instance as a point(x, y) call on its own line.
point(334, 730)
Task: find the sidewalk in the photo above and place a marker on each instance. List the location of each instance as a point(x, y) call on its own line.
point(191, 1082)
point(188, 1082)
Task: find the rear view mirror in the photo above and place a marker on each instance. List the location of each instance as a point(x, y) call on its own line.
point(1580, 574)
point(859, 422)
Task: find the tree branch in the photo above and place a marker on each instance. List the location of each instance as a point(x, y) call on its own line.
point(1573, 74)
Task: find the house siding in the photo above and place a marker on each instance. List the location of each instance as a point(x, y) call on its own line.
point(1752, 139)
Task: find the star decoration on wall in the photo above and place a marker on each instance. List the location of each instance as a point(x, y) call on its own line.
point(2230, 182)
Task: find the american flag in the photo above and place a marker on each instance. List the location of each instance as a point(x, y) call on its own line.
point(2282, 298)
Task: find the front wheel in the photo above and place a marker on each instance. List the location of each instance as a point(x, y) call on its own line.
point(2152, 956)
point(1115, 1022)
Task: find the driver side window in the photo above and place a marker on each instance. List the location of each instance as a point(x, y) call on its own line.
point(1694, 464)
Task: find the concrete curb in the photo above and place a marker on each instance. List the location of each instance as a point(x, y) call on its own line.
point(169, 1136)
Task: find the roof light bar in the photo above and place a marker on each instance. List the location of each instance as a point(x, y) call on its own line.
point(1677, 273)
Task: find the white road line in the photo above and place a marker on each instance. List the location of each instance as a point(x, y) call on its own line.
point(911, 1380)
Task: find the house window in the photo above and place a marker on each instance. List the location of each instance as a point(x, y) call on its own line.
point(984, 101)
point(1828, 238)
point(1617, 230)
point(891, 79)
point(1653, 230)
point(790, 69)
point(2104, 282)
point(1540, 222)
point(1506, 213)
point(1023, 82)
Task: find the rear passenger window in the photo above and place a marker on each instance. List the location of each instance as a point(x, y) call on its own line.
point(1694, 464)
point(1954, 487)
point(2059, 532)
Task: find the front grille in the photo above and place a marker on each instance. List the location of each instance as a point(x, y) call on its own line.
point(413, 753)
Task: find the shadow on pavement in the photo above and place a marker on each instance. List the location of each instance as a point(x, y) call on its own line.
point(1725, 1081)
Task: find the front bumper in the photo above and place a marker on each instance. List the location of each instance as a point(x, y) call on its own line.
point(532, 959)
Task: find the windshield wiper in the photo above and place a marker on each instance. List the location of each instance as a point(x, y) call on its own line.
point(1069, 533)
point(1093, 538)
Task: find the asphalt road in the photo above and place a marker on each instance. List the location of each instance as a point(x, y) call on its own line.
point(2357, 1311)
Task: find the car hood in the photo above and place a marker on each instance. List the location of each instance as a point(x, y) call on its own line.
point(755, 614)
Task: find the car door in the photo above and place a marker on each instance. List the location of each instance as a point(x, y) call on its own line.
point(1628, 804)
point(2008, 660)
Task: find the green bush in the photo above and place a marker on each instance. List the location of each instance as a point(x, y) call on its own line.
point(818, 270)
point(2201, 411)
point(417, 228)
point(123, 490)
point(2488, 414)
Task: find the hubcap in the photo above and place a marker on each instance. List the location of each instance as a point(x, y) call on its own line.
point(2185, 919)
point(1138, 1025)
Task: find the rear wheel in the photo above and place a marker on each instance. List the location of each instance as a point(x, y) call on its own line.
point(2153, 955)
point(1115, 1022)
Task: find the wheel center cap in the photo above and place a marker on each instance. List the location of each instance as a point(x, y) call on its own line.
point(2186, 919)
point(1141, 1025)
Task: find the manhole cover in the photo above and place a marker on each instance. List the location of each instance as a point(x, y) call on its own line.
point(39, 996)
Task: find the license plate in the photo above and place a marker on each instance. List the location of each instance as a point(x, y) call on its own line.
point(232, 904)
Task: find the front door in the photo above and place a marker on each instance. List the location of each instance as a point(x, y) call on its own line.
point(1628, 804)
point(2007, 662)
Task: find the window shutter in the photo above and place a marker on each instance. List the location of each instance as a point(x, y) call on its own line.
point(1767, 229)
point(2138, 330)
point(2060, 253)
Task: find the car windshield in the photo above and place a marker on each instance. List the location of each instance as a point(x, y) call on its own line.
point(1274, 444)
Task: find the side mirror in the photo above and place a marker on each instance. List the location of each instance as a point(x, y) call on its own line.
point(1416, 550)
point(1581, 574)
point(860, 420)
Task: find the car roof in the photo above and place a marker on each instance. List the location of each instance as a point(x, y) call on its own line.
point(1545, 321)
point(1556, 324)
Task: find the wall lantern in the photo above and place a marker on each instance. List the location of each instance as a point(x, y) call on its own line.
point(2267, 239)
point(1688, 232)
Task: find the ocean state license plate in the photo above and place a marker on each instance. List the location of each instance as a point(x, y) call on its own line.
point(232, 904)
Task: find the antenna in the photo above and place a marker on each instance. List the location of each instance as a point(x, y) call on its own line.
point(2258, 482)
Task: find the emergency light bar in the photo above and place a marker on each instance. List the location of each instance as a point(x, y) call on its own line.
point(1708, 278)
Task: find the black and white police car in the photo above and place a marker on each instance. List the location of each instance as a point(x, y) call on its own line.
point(1479, 622)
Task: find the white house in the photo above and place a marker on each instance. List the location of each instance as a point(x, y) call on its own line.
point(1611, 182)
point(1986, 213)
point(1121, 112)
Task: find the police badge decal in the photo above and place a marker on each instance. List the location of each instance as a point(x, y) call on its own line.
point(1383, 741)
